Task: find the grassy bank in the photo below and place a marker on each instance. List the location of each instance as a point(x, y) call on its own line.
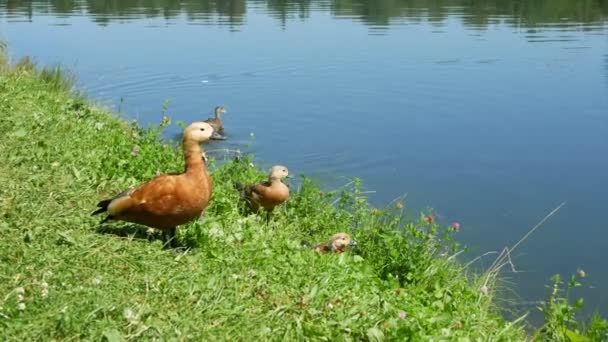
point(63, 276)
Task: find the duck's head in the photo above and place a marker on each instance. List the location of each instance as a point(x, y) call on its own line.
point(278, 172)
point(340, 241)
point(219, 110)
point(198, 132)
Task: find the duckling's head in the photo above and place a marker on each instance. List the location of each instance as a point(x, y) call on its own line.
point(340, 241)
point(219, 110)
point(198, 132)
point(278, 172)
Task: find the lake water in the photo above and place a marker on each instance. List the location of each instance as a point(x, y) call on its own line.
point(490, 112)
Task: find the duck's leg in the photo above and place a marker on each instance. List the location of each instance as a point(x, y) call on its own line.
point(268, 213)
point(170, 239)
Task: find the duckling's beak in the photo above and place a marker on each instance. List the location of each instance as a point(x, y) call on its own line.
point(289, 177)
point(352, 243)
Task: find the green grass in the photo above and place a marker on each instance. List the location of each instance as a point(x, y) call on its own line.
point(64, 277)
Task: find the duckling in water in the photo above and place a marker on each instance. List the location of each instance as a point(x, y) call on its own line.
point(170, 200)
point(267, 194)
point(337, 244)
point(216, 123)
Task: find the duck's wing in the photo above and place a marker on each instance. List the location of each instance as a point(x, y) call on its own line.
point(215, 123)
point(159, 195)
point(261, 189)
point(322, 248)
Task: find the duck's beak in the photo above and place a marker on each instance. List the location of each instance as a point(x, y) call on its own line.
point(217, 136)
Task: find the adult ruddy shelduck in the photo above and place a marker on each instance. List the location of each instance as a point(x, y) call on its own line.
point(169, 200)
point(337, 244)
point(216, 123)
point(267, 194)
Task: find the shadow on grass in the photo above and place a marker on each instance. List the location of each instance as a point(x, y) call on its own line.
point(130, 230)
point(143, 233)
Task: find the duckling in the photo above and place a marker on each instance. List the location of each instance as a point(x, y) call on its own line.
point(337, 244)
point(216, 123)
point(168, 200)
point(267, 194)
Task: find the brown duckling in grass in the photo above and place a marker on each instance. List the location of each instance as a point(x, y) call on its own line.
point(266, 194)
point(168, 200)
point(216, 123)
point(338, 243)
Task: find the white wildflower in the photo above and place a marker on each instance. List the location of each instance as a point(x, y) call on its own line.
point(484, 290)
point(130, 316)
point(21, 306)
point(216, 231)
point(44, 291)
point(97, 281)
point(20, 291)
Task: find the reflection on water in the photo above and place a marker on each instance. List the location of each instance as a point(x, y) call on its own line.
point(492, 112)
point(478, 14)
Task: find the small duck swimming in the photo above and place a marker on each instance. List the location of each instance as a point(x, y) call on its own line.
point(216, 123)
point(266, 194)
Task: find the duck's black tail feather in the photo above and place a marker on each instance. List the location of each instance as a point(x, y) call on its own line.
point(103, 207)
point(106, 219)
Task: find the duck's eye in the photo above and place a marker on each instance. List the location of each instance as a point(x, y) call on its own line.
point(202, 129)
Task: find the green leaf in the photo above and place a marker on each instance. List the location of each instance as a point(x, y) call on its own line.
point(65, 238)
point(76, 173)
point(112, 335)
point(20, 133)
point(375, 334)
point(574, 337)
point(358, 258)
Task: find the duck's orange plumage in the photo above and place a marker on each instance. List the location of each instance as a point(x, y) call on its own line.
point(167, 201)
point(267, 194)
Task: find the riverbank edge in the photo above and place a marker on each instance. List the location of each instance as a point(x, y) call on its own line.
point(60, 154)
